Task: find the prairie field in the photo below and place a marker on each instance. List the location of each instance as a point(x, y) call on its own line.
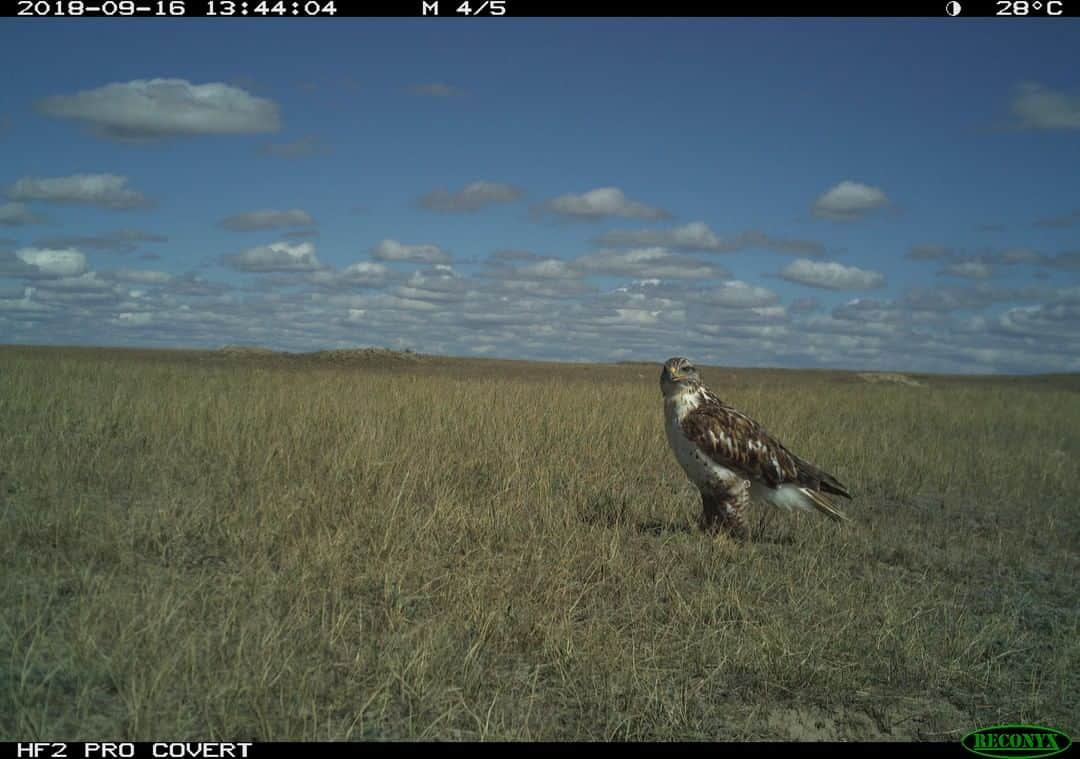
point(378, 546)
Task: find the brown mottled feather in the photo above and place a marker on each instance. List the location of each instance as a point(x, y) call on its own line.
point(739, 443)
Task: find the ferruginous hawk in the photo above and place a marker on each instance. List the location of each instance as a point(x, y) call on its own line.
point(731, 458)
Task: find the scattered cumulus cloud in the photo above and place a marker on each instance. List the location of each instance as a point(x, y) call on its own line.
point(276, 257)
point(267, 218)
point(105, 190)
point(648, 263)
point(1069, 260)
point(12, 265)
point(146, 109)
point(980, 265)
point(848, 201)
point(976, 296)
point(1069, 219)
point(89, 283)
point(549, 268)
point(472, 197)
point(1036, 106)
point(360, 274)
point(697, 236)
point(831, 275)
point(54, 262)
point(602, 202)
point(868, 310)
point(1060, 320)
point(392, 250)
point(968, 270)
point(142, 276)
point(1014, 256)
point(738, 294)
point(25, 304)
point(754, 239)
point(120, 241)
point(16, 215)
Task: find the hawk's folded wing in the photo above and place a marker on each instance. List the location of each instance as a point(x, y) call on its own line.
point(734, 440)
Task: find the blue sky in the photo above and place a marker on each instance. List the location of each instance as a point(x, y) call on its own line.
point(856, 194)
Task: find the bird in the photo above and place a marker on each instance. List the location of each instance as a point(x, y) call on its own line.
point(733, 459)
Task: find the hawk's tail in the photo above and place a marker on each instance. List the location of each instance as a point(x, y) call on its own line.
point(805, 498)
point(822, 503)
point(818, 479)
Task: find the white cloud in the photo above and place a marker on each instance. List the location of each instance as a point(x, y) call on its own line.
point(532, 267)
point(392, 250)
point(1042, 320)
point(52, 262)
point(440, 283)
point(755, 239)
point(603, 201)
point(550, 268)
point(943, 300)
point(647, 263)
point(868, 310)
point(848, 201)
point(472, 197)
point(968, 270)
point(636, 317)
point(133, 319)
point(365, 272)
point(25, 304)
point(697, 236)
point(278, 256)
point(120, 241)
point(361, 306)
point(693, 236)
point(360, 274)
point(87, 282)
point(737, 294)
point(1068, 219)
point(108, 190)
point(142, 276)
point(1036, 106)
point(1067, 260)
point(831, 275)
point(1020, 256)
point(268, 218)
point(16, 214)
point(157, 108)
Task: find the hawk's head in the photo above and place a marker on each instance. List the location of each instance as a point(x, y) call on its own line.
point(678, 375)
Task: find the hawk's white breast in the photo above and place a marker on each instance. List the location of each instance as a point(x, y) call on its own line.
point(701, 469)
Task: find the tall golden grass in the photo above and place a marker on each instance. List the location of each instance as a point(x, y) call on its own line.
point(244, 549)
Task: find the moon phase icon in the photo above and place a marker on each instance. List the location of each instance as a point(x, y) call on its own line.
point(952, 8)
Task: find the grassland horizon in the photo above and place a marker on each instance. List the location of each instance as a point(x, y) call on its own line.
point(376, 545)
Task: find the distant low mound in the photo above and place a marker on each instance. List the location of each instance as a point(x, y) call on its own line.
point(244, 350)
point(892, 378)
point(367, 355)
point(335, 356)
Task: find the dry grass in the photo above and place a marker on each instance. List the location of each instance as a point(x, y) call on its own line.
point(201, 547)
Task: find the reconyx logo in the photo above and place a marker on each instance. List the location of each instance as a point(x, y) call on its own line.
point(1016, 741)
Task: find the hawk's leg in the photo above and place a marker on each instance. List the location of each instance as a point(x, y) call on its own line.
point(725, 509)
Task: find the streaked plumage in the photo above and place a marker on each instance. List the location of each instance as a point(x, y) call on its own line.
point(731, 458)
